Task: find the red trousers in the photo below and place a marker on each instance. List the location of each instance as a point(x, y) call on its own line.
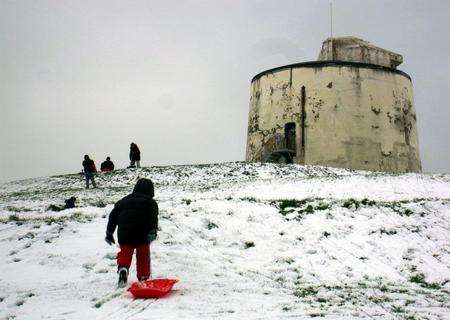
point(125, 256)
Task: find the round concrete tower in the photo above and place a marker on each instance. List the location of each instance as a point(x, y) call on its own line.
point(352, 109)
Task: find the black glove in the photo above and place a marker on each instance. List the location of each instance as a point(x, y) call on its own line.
point(151, 236)
point(109, 238)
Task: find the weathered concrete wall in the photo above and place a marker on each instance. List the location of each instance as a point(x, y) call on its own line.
point(357, 50)
point(354, 116)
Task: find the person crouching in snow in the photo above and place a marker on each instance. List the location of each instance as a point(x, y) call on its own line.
point(136, 218)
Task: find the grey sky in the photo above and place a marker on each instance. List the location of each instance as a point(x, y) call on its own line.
point(89, 77)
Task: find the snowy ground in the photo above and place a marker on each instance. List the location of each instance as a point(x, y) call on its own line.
point(254, 241)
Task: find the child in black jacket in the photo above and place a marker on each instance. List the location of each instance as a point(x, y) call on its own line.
point(136, 218)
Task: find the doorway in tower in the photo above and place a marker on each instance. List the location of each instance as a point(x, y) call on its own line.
point(289, 138)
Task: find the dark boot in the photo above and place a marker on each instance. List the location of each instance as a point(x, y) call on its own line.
point(123, 276)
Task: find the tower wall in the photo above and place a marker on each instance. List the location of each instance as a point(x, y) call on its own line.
point(350, 115)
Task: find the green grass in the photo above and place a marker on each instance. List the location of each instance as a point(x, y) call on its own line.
point(305, 292)
point(419, 278)
point(249, 244)
point(186, 201)
point(211, 225)
point(323, 206)
point(351, 203)
point(17, 209)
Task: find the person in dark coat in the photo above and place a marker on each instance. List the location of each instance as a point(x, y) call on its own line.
point(70, 203)
point(107, 165)
point(135, 156)
point(136, 218)
point(89, 170)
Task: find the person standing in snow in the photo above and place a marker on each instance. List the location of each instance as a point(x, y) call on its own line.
point(136, 218)
point(89, 170)
point(135, 156)
point(107, 165)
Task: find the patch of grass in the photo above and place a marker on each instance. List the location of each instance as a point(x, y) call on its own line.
point(351, 203)
point(397, 309)
point(98, 203)
point(211, 225)
point(289, 203)
point(289, 260)
point(186, 201)
point(249, 199)
point(14, 218)
point(305, 292)
point(419, 278)
point(367, 202)
point(17, 209)
point(384, 289)
point(76, 216)
point(389, 232)
point(378, 300)
point(54, 207)
point(292, 203)
point(363, 258)
point(322, 206)
point(408, 302)
point(315, 315)
point(249, 244)
point(407, 212)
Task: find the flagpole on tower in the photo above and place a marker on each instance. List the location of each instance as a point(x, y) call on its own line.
point(331, 30)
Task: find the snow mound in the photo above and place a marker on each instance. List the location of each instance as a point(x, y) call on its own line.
point(256, 241)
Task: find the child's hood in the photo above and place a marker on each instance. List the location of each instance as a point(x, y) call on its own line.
point(144, 186)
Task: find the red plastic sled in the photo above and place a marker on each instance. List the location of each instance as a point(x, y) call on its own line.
point(155, 288)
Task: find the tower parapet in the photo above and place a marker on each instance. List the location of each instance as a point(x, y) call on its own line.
point(353, 49)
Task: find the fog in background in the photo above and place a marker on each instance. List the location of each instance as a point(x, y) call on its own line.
point(89, 77)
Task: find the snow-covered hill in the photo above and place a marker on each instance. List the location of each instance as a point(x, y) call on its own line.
point(246, 241)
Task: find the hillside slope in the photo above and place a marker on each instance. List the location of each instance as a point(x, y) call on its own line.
point(255, 241)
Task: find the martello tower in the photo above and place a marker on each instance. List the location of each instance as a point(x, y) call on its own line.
point(351, 108)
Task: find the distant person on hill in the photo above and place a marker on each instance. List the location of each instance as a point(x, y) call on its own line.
point(107, 165)
point(135, 156)
point(136, 218)
point(89, 170)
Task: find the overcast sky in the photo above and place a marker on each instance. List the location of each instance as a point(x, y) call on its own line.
point(89, 77)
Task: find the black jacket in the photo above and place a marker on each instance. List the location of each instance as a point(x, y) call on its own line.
point(88, 165)
point(135, 215)
point(135, 153)
point(107, 165)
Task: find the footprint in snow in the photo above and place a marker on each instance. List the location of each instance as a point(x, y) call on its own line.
point(88, 266)
point(110, 256)
point(103, 270)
